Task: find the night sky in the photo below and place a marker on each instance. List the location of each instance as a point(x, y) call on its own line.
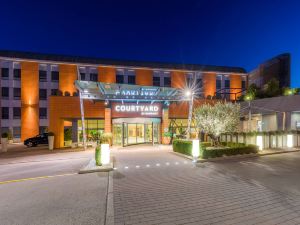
point(232, 33)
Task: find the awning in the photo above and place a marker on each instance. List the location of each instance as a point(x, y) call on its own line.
point(127, 92)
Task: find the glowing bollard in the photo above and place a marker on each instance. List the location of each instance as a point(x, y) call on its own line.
point(289, 141)
point(105, 154)
point(259, 142)
point(196, 150)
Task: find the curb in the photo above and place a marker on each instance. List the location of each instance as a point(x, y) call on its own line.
point(235, 156)
point(110, 216)
point(92, 168)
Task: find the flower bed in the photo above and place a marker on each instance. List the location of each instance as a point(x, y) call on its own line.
point(206, 151)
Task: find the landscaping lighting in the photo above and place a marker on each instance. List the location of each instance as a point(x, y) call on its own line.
point(196, 149)
point(105, 154)
point(289, 141)
point(259, 142)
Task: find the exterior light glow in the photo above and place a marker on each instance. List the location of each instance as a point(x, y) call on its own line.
point(188, 93)
point(196, 148)
point(289, 141)
point(259, 142)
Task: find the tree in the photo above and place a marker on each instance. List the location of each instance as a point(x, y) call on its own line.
point(272, 88)
point(217, 119)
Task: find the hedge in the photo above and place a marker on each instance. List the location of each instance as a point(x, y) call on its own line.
point(230, 148)
point(98, 155)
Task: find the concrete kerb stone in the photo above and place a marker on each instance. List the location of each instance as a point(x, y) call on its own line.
point(110, 216)
point(235, 156)
point(91, 167)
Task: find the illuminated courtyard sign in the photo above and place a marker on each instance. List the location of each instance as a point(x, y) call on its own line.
point(136, 92)
point(133, 109)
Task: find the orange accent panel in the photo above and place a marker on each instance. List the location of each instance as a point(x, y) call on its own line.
point(67, 77)
point(165, 126)
point(235, 82)
point(209, 84)
point(144, 77)
point(107, 120)
point(29, 99)
point(61, 108)
point(107, 74)
point(178, 79)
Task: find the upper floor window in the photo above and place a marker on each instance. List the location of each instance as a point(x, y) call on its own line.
point(17, 74)
point(227, 84)
point(156, 81)
point(167, 81)
point(5, 92)
point(82, 76)
point(54, 76)
point(218, 84)
point(43, 94)
point(17, 93)
point(120, 79)
point(16, 112)
point(54, 91)
point(43, 113)
point(4, 73)
point(199, 83)
point(5, 112)
point(93, 77)
point(243, 84)
point(131, 79)
point(43, 75)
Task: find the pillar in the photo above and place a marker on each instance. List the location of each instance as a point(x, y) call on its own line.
point(165, 125)
point(144, 77)
point(106, 74)
point(178, 79)
point(209, 84)
point(235, 82)
point(107, 120)
point(67, 77)
point(29, 99)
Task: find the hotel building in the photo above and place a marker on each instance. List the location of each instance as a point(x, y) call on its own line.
point(135, 101)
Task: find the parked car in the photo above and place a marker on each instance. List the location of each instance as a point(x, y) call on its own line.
point(37, 140)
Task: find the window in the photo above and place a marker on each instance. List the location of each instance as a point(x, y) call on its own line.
point(54, 91)
point(43, 94)
point(156, 81)
point(5, 92)
point(4, 73)
point(17, 74)
point(17, 113)
point(199, 83)
point(227, 83)
point(5, 113)
point(243, 84)
point(54, 76)
point(17, 93)
point(218, 84)
point(43, 113)
point(131, 79)
point(43, 75)
point(82, 76)
point(167, 81)
point(120, 79)
point(93, 76)
point(16, 132)
point(43, 129)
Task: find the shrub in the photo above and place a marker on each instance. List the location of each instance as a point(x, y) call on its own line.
point(106, 138)
point(98, 155)
point(4, 135)
point(50, 133)
point(67, 93)
point(68, 134)
point(185, 146)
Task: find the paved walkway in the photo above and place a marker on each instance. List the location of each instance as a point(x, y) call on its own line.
point(154, 186)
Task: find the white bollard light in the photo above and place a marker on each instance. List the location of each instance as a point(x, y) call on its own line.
point(289, 141)
point(196, 148)
point(105, 154)
point(259, 142)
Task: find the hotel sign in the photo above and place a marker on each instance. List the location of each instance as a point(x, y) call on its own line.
point(136, 110)
point(137, 92)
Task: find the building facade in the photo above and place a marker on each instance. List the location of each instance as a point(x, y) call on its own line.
point(38, 93)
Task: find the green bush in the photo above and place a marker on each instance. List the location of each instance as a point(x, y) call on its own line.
point(4, 135)
point(98, 155)
point(68, 134)
point(185, 146)
point(227, 151)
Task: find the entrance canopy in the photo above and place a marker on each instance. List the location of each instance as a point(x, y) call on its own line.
point(122, 92)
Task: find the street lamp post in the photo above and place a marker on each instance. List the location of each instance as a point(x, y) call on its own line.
point(190, 94)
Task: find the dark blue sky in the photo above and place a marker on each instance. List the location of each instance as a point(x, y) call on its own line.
point(233, 33)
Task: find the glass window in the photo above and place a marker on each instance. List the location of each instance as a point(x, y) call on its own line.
point(4, 73)
point(5, 92)
point(5, 113)
point(120, 79)
point(16, 132)
point(17, 93)
point(16, 112)
point(199, 82)
point(54, 76)
point(43, 129)
point(54, 91)
point(43, 75)
point(94, 77)
point(218, 84)
point(243, 84)
point(167, 81)
point(17, 74)
point(43, 113)
point(227, 83)
point(156, 81)
point(93, 129)
point(43, 94)
point(82, 76)
point(131, 79)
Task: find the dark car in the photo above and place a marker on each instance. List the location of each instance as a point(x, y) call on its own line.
point(37, 140)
